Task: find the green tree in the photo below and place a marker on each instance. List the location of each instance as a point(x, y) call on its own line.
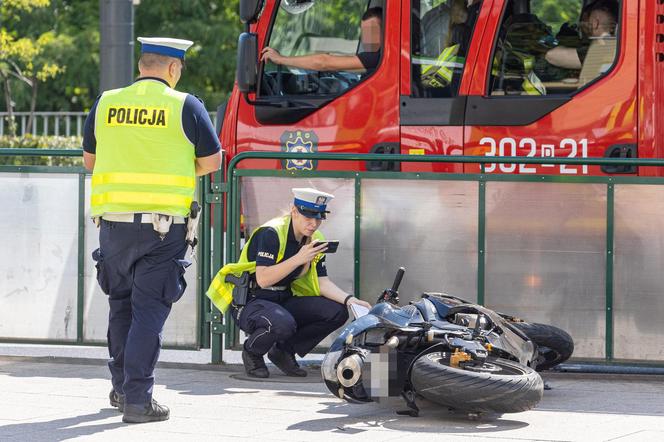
point(28, 51)
point(12, 47)
point(213, 26)
point(77, 87)
point(556, 12)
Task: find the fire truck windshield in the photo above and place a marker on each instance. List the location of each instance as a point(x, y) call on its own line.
point(541, 50)
point(321, 49)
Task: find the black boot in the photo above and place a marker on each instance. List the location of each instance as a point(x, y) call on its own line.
point(285, 361)
point(138, 414)
point(254, 365)
point(116, 399)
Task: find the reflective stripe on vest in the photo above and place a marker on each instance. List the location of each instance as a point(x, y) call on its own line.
point(153, 179)
point(139, 201)
point(531, 84)
point(439, 72)
point(144, 161)
point(220, 292)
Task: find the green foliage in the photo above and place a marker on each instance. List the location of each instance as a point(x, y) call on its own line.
point(69, 63)
point(77, 24)
point(13, 8)
point(29, 47)
point(556, 12)
point(213, 26)
point(31, 142)
point(71, 29)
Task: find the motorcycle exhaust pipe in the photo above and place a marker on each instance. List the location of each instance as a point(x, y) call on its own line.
point(349, 370)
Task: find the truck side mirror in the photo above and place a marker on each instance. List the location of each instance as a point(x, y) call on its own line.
point(247, 60)
point(250, 10)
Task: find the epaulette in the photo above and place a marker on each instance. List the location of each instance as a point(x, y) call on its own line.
point(197, 97)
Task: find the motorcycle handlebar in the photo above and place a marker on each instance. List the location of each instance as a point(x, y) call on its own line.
point(398, 278)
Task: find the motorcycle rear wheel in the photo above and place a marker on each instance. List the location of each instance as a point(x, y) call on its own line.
point(554, 345)
point(497, 386)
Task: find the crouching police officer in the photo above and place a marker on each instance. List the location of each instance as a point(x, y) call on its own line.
point(145, 145)
point(291, 304)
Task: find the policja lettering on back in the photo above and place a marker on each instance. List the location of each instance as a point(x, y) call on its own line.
point(137, 116)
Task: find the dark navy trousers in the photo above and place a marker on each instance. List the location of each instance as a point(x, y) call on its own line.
point(297, 324)
point(143, 276)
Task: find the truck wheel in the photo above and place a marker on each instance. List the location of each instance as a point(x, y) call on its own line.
point(497, 385)
point(554, 345)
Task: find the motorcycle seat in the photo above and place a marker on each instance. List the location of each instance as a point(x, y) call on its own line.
point(444, 325)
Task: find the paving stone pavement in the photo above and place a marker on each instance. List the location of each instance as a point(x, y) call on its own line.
point(55, 401)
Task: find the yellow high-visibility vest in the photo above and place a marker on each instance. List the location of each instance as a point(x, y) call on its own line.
point(144, 161)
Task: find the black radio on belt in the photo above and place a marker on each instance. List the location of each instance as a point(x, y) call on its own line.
point(241, 289)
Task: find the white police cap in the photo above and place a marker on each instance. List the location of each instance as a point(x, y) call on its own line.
point(171, 47)
point(310, 202)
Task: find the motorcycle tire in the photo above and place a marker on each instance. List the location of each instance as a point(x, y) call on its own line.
point(499, 386)
point(554, 345)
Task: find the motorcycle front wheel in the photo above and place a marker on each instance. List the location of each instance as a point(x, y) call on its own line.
point(554, 345)
point(497, 385)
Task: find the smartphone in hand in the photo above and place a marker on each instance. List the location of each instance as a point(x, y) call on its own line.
point(332, 245)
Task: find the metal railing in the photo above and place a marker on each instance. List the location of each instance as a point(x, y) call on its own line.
point(65, 124)
point(233, 210)
point(45, 123)
point(207, 258)
point(211, 327)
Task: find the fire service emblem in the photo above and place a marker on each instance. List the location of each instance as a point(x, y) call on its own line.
point(301, 142)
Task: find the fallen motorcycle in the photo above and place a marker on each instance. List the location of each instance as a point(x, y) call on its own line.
point(449, 351)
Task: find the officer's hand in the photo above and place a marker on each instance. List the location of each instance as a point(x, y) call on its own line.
point(359, 302)
point(309, 251)
point(270, 54)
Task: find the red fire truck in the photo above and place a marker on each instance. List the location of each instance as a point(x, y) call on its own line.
point(533, 78)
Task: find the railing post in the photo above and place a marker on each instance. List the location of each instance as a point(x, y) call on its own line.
point(80, 310)
point(204, 267)
point(216, 196)
point(609, 269)
point(232, 239)
point(481, 239)
point(358, 221)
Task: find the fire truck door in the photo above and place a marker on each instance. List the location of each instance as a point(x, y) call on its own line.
point(312, 102)
point(440, 40)
point(555, 80)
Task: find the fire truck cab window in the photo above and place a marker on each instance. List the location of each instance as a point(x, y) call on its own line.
point(321, 48)
point(441, 34)
point(553, 47)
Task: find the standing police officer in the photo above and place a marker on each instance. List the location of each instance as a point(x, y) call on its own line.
point(292, 304)
point(145, 144)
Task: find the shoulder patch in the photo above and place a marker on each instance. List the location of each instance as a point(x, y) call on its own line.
point(266, 255)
